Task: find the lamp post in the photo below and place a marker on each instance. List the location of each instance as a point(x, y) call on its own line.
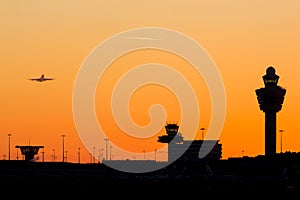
point(78, 155)
point(106, 140)
point(17, 155)
point(9, 146)
point(202, 129)
point(110, 153)
point(94, 155)
point(281, 131)
point(63, 147)
point(66, 156)
point(43, 156)
point(99, 157)
point(53, 160)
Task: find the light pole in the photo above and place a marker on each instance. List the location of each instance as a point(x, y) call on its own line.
point(202, 129)
point(106, 140)
point(66, 156)
point(78, 155)
point(281, 131)
point(99, 157)
point(9, 146)
point(110, 153)
point(17, 155)
point(43, 156)
point(94, 155)
point(63, 147)
point(53, 160)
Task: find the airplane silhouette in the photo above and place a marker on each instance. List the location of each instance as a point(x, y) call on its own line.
point(41, 79)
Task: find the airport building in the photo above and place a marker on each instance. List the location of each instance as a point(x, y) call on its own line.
point(188, 150)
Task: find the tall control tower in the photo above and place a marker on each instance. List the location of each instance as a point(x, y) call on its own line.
point(270, 99)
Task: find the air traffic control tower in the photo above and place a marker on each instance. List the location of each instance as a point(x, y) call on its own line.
point(270, 99)
point(29, 151)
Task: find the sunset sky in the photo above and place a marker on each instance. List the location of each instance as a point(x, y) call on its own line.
point(54, 38)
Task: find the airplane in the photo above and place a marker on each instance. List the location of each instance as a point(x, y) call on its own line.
point(41, 79)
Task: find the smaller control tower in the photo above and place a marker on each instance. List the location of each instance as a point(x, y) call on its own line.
point(270, 99)
point(29, 151)
point(186, 150)
point(172, 135)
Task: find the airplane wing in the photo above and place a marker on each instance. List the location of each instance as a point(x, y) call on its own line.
point(34, 79)
point(41, 79)
point(47, 79)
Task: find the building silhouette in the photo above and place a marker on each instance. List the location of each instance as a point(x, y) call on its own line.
point(187, 150)
point(270, 99)
point(29, 151)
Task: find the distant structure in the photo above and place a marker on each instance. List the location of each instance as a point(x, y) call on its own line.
point(29, 151)
point(270, 99)
point(172, 133)
point(176, 144)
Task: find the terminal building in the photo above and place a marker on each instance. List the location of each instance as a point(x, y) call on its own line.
point(187, 150)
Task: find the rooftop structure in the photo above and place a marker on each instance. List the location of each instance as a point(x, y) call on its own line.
point(29, 151)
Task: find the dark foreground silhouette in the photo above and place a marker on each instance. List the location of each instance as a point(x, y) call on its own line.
point(276, 175)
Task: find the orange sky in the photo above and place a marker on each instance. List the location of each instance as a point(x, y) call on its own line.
point(243, 38)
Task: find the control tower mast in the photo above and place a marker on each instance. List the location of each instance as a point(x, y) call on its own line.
point(270, 99)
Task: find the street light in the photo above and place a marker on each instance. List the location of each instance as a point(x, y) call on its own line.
point(94, 155)
point(63, 147)
point(17, 155)
point(66, 156)
point(78, 155)
point(202, 129)
point(281, 131)
point(110, 152)
point(99, 157)
point(9, 146)
point(43, 156)
point(53, 160)
point(106, 140)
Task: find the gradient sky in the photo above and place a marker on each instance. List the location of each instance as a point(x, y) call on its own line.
point(242, 37)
